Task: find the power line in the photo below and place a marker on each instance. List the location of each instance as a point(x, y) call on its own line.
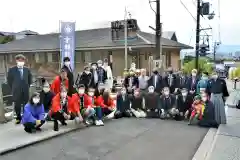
point(191, 14)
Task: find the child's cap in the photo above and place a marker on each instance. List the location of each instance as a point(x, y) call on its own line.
point(197, 97)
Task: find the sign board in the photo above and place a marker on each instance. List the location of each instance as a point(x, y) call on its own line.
point(157, 63)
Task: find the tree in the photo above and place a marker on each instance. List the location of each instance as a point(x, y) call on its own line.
point(6, 39)
point(204, 66)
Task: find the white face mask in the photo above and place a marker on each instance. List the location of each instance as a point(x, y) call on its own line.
point(94, 67)
point(36, 100)
point(204, 99)
point(184, 94)
point(67, 63)
point(215, 76)
point(99, 65)
point(151, 90)
point(87, 72)
point(81, 91)
point(105, 64)
point(123, 92)
point(166, 93)
point(46, 89)
point(194, 74)
point(20, 64)
point(64, 94)
point(91, 94)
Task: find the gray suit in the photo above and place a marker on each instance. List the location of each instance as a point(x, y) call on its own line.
point(19, 84)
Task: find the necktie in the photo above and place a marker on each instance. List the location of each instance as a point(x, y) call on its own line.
point(21, 72)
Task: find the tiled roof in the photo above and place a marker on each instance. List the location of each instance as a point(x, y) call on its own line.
point(85, 39)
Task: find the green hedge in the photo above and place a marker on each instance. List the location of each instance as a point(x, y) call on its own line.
point(204, 66)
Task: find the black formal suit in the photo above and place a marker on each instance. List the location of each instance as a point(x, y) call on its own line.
point(71, 89)
point(191, 84)
point(19, 84)
point(171, 81)
point(94, 82)
point(159, 83)
point(135, 81)
point(184, 104)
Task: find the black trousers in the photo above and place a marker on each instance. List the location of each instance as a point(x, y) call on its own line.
point(119, 114)
point(152, 113)
point(58, 116)
point(19, 103)
point(29, 126)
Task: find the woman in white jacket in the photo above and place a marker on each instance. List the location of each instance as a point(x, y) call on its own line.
point(109, 81)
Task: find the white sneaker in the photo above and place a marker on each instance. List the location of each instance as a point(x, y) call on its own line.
point(87, 122)
point(97, 123)
point(101, 123)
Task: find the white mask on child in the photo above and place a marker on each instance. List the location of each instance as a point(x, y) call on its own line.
point(81, 91)
point(36, 100)
point(91, 94)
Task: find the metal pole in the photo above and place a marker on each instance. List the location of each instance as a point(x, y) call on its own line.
point(214, 52)
point(158, 32)
point(198, 32)
point(125, 39)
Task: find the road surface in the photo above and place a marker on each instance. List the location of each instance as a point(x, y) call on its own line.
point(124, 139)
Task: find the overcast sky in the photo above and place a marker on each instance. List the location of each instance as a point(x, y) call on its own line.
point(43, 16)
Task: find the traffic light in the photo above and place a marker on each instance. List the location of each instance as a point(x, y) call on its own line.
point(203, 51)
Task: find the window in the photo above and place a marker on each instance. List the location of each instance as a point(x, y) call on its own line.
point(87, 57)
point(49, 57)
point(55, 57)
point(78, 57)
point(36, 57)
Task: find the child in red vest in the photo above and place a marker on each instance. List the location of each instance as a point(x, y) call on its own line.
point(90, 107)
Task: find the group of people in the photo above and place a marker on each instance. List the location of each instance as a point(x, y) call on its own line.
point(93, 97)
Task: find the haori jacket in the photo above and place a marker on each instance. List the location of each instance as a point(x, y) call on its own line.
point(56, 84)
point(88, 101)
point(77, 102)
point(98, 101)
point(32, 113)
point(56, 104)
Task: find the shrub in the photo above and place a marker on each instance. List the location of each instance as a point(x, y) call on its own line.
point(203, 66)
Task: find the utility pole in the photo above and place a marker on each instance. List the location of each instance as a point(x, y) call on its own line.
point(125, 39)
point(158, 33)
point(198, 32)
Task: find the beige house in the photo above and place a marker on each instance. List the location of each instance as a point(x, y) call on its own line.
point(43, 51)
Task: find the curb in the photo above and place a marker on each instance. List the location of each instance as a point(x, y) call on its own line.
point(206, 147)
point(59, 133)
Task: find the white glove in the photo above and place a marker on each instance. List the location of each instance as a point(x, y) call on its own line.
point(177, 111)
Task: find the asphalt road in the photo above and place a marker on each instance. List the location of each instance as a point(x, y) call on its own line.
point(125, 139)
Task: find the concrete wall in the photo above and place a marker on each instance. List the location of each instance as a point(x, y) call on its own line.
point(47, 64)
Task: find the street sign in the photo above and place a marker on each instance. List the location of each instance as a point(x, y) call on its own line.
point(157, 63)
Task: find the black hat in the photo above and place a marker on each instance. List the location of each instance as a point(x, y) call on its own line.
point(94, 63)
point(66, 59)
point(80, 86)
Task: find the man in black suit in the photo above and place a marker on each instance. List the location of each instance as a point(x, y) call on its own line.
point(171, 81)
point(156, 81)
point(192, 82)
point(67, 67)
point(19, 79)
